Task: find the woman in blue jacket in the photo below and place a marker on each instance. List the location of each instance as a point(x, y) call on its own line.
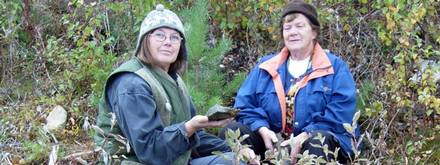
point(299, 92)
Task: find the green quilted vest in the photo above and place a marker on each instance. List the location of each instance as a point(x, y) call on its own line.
point(173, 107)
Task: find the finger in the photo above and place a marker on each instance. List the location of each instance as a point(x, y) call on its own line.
point(251, 155)
point(285, 143)
point(293, 154)
point(293, 160)
point(222, 123)
point(267, 142)
point(201, 119)
point(254, 162)
point(268, 145)
point(204, 118)
point(227, 121)
point(273, 137)
point(266, 135)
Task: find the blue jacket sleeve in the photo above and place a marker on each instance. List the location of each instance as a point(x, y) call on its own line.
point(251, 113)
point(210, 143)
point(131, 100)
point(341, 106)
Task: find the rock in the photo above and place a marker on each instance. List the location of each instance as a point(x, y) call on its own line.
point(56, 119)
point(218, 112)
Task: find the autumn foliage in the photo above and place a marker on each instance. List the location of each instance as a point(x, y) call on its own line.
point(60, 52)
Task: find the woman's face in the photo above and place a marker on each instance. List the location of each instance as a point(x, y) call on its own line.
point(298, 35)
point(164, 46)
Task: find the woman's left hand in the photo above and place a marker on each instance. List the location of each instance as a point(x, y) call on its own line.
point(296, 146)
point(200, 121)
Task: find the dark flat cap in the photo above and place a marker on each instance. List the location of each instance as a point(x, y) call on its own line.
point(299, 6)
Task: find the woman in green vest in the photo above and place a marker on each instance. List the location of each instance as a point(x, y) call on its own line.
point(146, 102)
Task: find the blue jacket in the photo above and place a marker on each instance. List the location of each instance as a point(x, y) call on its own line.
point(326, 98)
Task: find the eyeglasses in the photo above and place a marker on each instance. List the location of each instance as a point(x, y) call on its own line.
point(161, 37)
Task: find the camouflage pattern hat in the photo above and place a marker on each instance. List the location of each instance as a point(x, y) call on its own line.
point(160, 17)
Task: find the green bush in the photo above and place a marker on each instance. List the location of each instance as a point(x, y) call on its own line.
point(204, 77)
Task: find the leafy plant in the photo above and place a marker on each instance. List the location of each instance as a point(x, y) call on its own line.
point(307, 158)
point(234, 140)
point(409, 95)
point(37, 150)
point(60, 52)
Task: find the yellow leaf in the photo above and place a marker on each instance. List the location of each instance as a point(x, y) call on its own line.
point(391, 151)
point(348, 127)
point(271, 8)
point(270, 29)
point(347, 27)
point(393, 9)
point(421, 13)
point(404, 41)
point(390, 23)
point(248, 8)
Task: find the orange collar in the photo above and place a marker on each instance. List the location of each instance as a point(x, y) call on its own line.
point(319, 61)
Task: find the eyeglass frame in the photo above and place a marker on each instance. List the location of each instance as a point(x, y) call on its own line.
point(158, 35)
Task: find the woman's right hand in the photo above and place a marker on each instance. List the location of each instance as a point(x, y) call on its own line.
point(269, 137)
point(200, 121)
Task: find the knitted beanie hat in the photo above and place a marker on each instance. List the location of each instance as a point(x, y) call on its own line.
point(299, 6)
point(161, 17)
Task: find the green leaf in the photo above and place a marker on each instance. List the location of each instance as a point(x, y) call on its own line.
point(244, 137)
point(429, 112)
point(248, 8)
point(217, 153)
point(348, 127)
point(356, 116)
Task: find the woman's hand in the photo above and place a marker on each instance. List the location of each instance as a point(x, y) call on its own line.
point(250, 155)
point(200, 121)
point(268, 136)
point(296, 146)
